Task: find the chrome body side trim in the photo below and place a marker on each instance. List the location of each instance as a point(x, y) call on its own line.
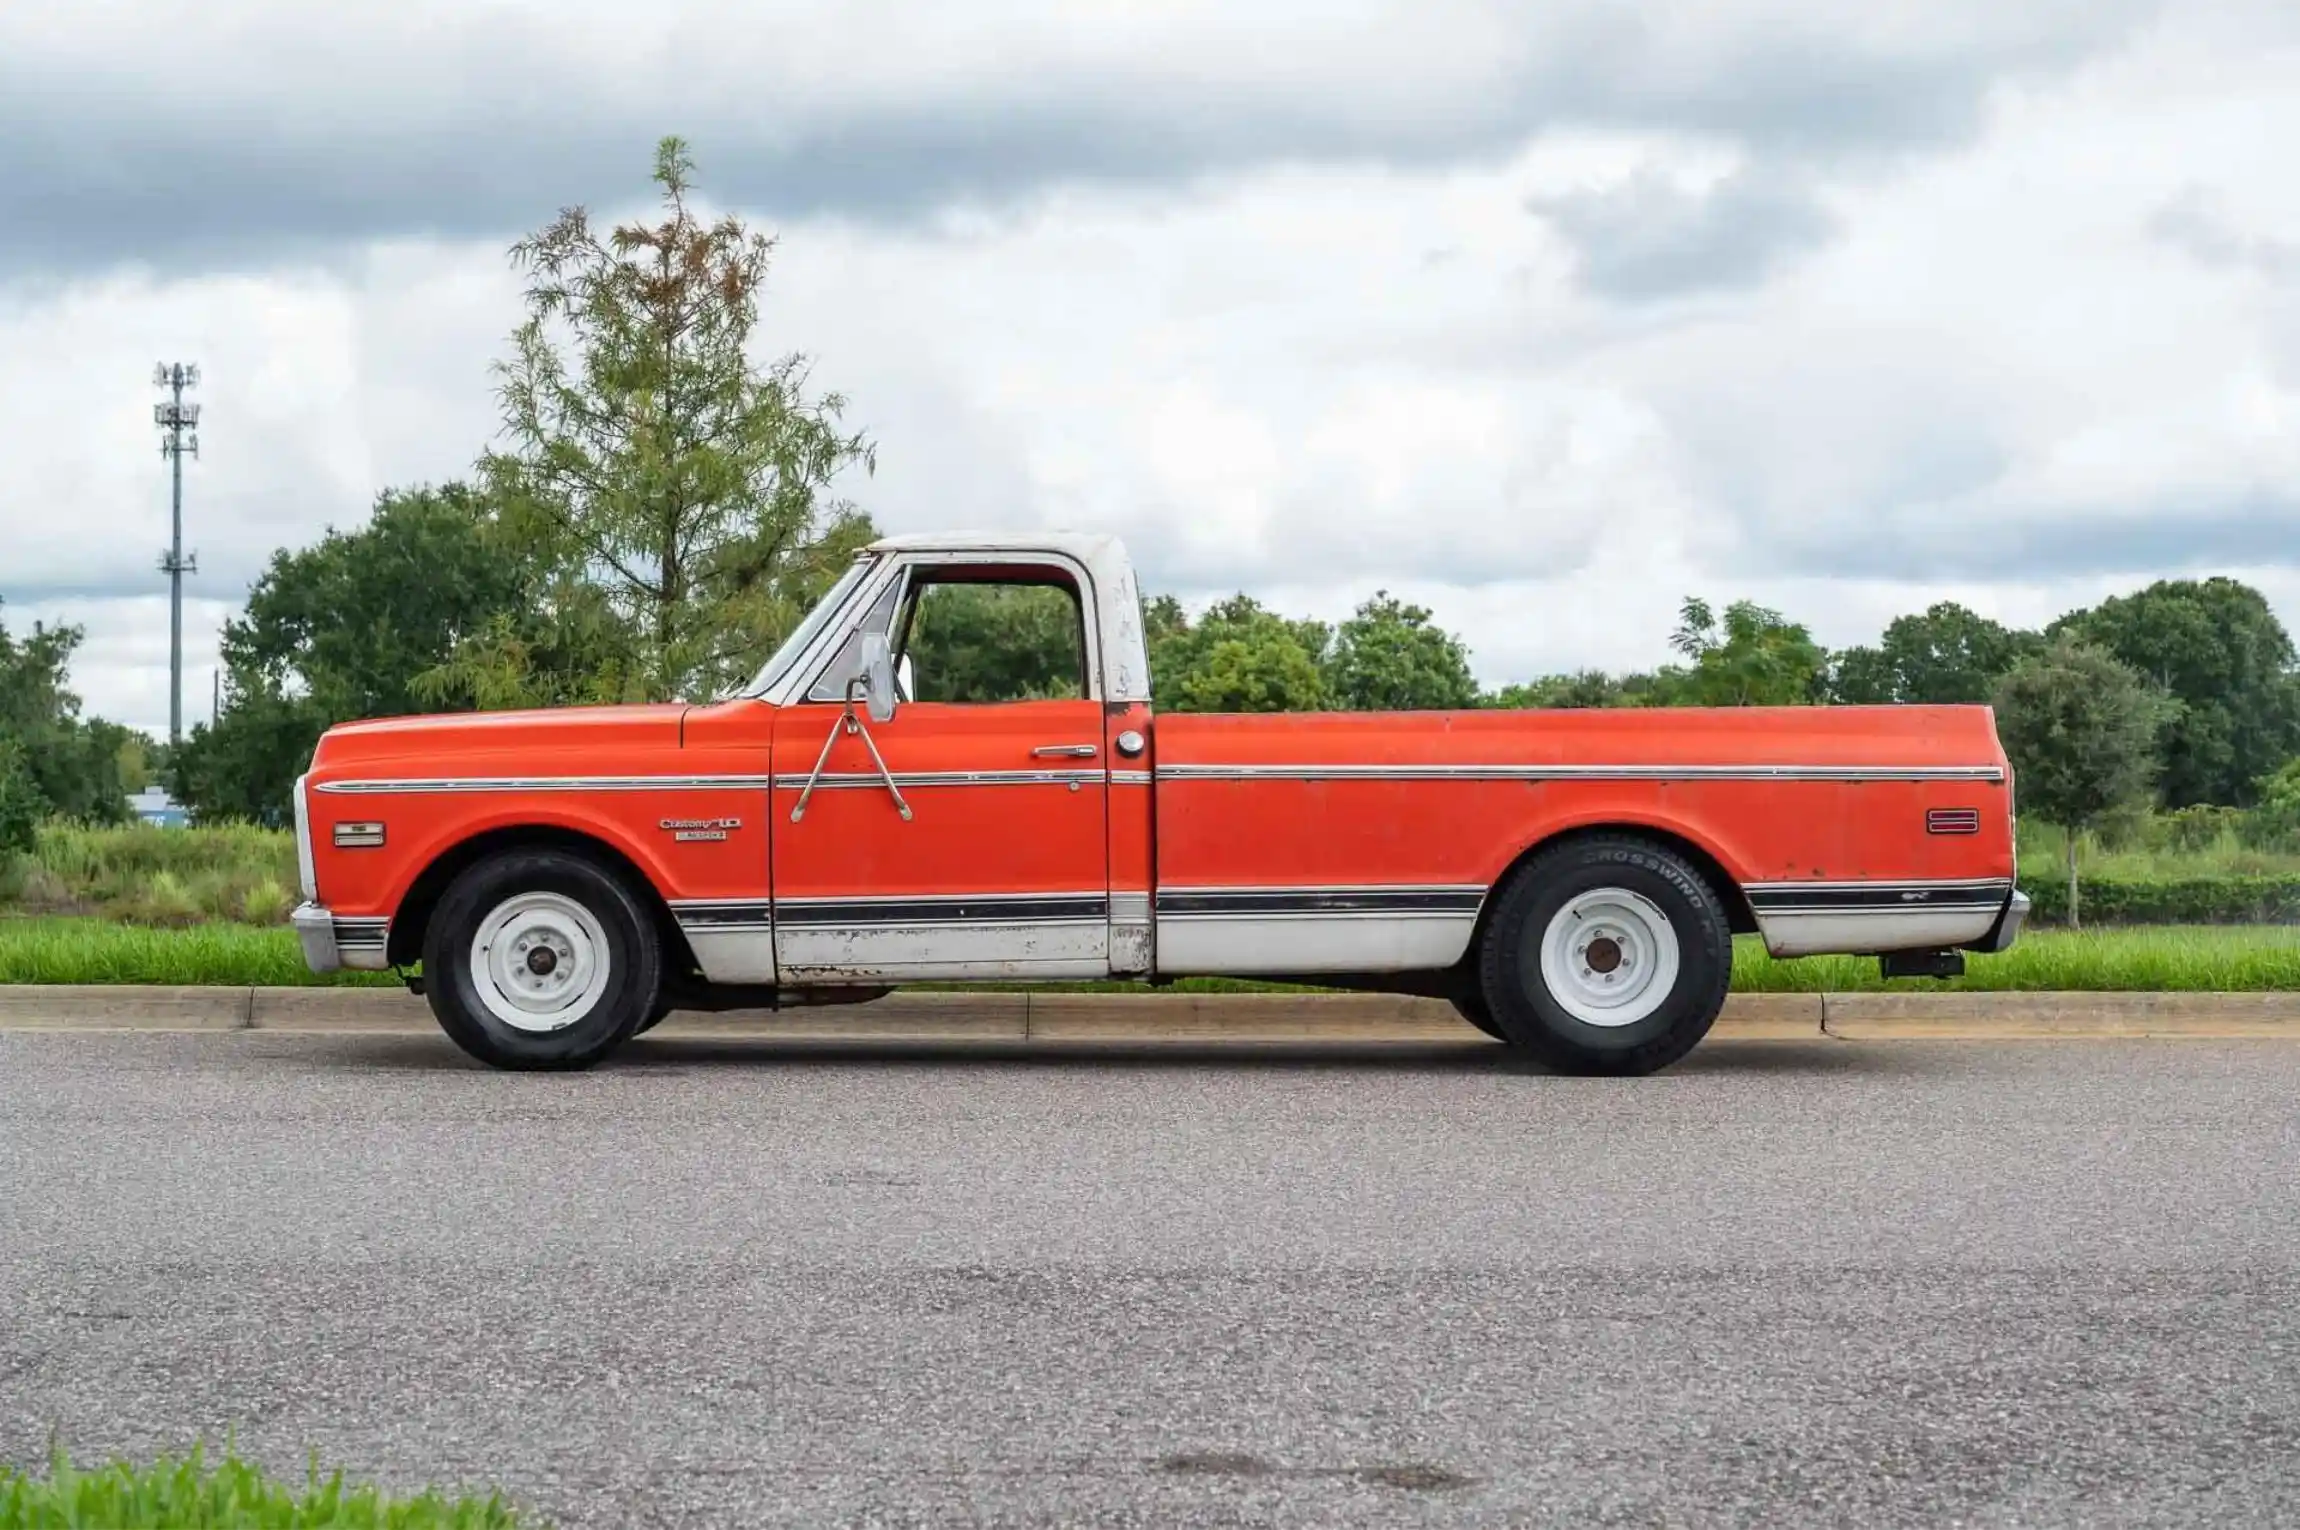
point(955, 909)
point(1388, 902)
point(549, 784)
point(794, 782)
point(931, 778)
point(1561, 772)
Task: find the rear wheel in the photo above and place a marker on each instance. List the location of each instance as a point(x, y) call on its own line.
point(1607, 955)
point(541, 959)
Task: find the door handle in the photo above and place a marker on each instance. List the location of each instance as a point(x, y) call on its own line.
point(1066, 751)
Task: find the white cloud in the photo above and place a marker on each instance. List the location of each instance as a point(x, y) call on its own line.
point(1985, 364)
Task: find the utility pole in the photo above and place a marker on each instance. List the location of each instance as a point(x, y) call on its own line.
point(175, 418)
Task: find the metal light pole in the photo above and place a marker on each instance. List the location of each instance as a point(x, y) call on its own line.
point(175, 418)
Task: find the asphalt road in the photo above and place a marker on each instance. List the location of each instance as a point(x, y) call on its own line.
point(1910, 1282)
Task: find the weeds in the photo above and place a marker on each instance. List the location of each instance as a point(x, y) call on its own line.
point(153, 876)
point(232, 1494)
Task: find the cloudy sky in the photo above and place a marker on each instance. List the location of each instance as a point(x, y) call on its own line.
point(1544, 315)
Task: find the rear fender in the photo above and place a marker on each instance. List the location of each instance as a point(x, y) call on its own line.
point(1707, 856)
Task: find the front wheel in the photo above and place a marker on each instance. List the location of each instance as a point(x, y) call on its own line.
point(543, 959)
point(1607, 955)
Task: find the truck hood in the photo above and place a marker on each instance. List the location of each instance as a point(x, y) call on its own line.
point(454, 742)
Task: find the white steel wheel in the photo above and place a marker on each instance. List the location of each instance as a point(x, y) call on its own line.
point(540, 962)
point(1609, 957)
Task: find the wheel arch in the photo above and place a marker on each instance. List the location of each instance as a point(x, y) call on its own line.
point(411, 920)
point(1740, 916)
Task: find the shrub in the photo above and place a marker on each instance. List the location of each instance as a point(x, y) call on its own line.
point(2275, 823)
point(163, 900)
point(2194, 900)
point(2197, 830)
point(210, 873)
point(266, 903)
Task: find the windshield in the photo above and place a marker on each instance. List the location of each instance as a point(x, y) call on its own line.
point(806, 631)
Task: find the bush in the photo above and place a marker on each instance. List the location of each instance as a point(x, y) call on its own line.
point(2196, 830)
point(2191, 900)
point(137, 872)
point(2275, 823)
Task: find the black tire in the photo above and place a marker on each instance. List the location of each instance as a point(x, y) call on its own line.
point(582, 1032)
point(1658, 882)
point(655, 1016)
point(1468, 1000)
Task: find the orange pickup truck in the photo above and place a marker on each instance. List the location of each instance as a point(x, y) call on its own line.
point(1571, 881)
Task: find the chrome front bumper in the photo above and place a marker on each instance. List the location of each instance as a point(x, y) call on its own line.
point(2008, 926)
point(331, 944)
point(315, 927)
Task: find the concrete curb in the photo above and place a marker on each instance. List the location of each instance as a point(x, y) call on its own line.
point(1961, 1016)
point(123, 1008)
point(1264, 1018)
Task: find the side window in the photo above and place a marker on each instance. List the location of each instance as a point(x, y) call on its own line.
point(988, 636)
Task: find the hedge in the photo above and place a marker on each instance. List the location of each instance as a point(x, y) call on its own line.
point(2188, 900)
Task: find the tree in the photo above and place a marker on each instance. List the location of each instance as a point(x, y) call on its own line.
point(73, 765)
point(996, 642)
point(1947, 655)
point(21, 804)
point(1238, 657)
point(2216, 647)
point(1755, 657)
point(2081, 730)
point(362, 623)
point(1582, 688)
point(243, 769)
point(678, 493)
point(1389, 657)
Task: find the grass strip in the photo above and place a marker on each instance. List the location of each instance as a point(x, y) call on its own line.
point(68, 950)
point(181, 1493)
point(2174, 959)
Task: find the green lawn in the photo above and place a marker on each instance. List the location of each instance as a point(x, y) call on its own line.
point(65, 950)
point(192, 1493)
point(2187, 958)
point(2163, 958)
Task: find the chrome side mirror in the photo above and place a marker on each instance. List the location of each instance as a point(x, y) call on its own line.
point(878, 677)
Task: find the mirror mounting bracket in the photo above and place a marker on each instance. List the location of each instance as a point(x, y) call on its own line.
point(849, 721)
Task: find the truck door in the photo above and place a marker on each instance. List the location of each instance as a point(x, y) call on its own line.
point(965, 837)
